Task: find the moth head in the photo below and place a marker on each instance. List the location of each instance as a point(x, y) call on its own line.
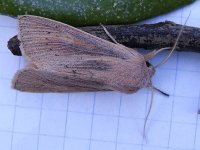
point(151, 69)
point(151, 72)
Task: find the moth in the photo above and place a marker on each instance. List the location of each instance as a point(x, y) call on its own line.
point(62, 58)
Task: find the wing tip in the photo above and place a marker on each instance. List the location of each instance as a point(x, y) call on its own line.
point(15, 80)
point(19, 81)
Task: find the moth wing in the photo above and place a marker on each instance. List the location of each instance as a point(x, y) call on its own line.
point(43, 39)
point(32, 80)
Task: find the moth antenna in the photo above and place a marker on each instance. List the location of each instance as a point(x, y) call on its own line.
point(108, 34)
point(175, 44)
point(151, 55)
point(151, 104)
point(155, 52)
point(149, 111)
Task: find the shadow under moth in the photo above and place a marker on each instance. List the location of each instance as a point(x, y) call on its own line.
point(62, 58)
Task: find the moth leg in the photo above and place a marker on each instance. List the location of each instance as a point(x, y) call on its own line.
point(108, 34)
point(161, 92)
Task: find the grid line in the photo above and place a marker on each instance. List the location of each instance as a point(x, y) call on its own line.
point(93, 110)
point(171, 120)
point(65, 130)
point(96, 114)
point(55, 109)
point(13, 126)
point(40, 118)
point(118, 120)
point(13, 123)
point(96, 140)
point(197, 116)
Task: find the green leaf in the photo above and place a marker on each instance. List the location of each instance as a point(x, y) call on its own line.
point(91, 12)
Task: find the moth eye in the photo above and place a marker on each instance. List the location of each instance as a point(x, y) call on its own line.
point(148, 64)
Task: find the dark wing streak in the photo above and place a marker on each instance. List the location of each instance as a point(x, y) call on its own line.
point(59, 45)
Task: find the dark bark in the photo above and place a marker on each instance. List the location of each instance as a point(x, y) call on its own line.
point(148, 36)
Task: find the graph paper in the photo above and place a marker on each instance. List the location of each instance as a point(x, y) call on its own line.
point(104, 120)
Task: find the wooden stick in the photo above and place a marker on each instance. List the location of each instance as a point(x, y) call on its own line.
point(148, 36)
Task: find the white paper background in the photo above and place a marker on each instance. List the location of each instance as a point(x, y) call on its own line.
point(104, 120)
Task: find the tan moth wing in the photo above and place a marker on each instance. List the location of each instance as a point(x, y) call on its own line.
point(62, 58)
